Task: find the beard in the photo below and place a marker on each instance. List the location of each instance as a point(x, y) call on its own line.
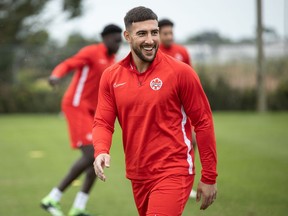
point(138, 52)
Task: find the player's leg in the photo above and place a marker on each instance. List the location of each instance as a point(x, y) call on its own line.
point(82, 196)
point(169, 196)
point(77, 168)
point(51, 201)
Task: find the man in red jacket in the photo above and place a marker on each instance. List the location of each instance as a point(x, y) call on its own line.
point(156, 99)
point(78, 105)
point(167, 42)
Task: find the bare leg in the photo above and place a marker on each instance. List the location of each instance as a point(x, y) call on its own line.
point(81, 165)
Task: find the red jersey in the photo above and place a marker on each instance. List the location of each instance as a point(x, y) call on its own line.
point(89, 62)
point(176, 51)
point(154, 110)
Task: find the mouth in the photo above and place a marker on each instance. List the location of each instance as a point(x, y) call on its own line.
point(149, 49)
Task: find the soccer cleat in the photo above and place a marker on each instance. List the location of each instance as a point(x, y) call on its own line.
point(51, 206)
point(193, 194)
point(78, 212)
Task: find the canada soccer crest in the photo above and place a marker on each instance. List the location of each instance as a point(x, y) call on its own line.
point(156, 84)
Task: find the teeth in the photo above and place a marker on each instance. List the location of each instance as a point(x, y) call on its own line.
point(148, 48)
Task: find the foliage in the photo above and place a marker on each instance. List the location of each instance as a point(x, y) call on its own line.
point(209, 37)
point(224, 97)
point(14, 30)
point(28, 99)
point(278, 100)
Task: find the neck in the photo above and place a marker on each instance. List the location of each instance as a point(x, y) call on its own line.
point(140, 65)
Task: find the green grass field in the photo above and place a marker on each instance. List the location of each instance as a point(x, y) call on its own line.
point(253, 167)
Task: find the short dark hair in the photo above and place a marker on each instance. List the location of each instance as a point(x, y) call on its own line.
point(165, 22)
point(110, 29)
point(139, 14)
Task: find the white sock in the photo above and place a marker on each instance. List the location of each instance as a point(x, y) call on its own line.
point(80, 200)
point(55, 194)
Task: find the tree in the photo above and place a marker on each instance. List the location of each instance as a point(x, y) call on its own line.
point(14, 30)
point(209, 37)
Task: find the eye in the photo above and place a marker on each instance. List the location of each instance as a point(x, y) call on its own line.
point(141, 34)
point(155, 33)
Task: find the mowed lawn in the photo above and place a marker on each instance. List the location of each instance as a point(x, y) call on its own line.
point(253, 167)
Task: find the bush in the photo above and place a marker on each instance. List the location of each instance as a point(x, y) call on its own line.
point(224, 97)
point(278, 100)
point(28, 99)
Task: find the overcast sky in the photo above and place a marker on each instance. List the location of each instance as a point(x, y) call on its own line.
point(232, 18)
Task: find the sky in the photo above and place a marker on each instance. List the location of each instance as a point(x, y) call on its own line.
point(231, 18)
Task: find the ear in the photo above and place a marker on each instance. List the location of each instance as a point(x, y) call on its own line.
point(127, 36)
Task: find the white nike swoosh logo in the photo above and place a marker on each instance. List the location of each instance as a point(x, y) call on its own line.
point(118, 85)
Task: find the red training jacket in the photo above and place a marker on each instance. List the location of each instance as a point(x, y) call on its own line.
point(89, 62)
point(154, 109)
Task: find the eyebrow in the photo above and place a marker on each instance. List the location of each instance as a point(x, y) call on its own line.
point(141, 31)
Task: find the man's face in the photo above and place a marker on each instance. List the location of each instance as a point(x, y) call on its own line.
point(143, 38)
point(166, 35)
point(113, 42)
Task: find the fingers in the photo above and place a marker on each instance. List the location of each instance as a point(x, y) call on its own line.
point(198, 195)
point(208, 200)
point(205, 203)
point(101, 161)
point(107, 161)
point(98, 169)
point(53, 81)
point(207, 193)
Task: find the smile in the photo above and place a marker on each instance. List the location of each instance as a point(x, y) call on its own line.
point(148, 48)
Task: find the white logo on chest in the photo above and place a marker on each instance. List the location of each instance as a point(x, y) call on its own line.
point(156, 84)
point(115, 85)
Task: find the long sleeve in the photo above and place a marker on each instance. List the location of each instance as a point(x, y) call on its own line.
point(197, 108)
point(77, 61)
point(104, 120)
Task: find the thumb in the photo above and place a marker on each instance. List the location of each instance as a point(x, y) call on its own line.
point(107, 161)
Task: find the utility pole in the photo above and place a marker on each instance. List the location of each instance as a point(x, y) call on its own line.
point(261, 92)
point(285, 27)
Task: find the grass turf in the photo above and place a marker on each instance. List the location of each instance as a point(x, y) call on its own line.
point(253, 162)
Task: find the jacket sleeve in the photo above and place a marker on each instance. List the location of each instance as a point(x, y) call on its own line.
point(198, 110)
point(77, 61)
point(104, 119)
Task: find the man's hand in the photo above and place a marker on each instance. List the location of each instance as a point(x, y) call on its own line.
point(53, 81)
point(207, 193)
point(101, 161)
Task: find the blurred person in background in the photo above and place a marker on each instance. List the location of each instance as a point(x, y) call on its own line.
point(78, 105)
point(169, 47)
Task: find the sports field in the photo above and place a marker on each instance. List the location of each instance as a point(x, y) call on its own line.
point(253, 167)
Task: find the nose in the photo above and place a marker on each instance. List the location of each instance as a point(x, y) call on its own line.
point(149, 39)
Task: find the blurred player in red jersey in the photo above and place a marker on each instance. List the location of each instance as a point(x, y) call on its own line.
point(156, 99)
point(78, 105)
point(177, 51)
point(167, 42)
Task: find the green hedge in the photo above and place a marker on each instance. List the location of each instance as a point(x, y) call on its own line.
point(25, 99)
point(31, 99)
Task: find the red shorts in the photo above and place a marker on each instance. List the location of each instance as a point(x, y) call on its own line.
point(80, 122)
point(162, 197)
